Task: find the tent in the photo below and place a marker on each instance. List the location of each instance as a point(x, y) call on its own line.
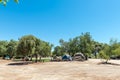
point(79, 57)
point(7, 57)
point(57, 58)
point(66, 57)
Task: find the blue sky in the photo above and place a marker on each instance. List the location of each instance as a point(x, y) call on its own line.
point(51, 20)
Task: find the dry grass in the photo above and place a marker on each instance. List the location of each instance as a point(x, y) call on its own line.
point(89, 70)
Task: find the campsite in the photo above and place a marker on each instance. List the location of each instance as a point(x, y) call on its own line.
point(59, 39)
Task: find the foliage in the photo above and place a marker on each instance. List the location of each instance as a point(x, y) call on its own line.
point(57, 51)
point(4, 2)
point(26, 45)
point(3, 49)
point(82, 43)
point(11, 48)
point(32, 46)
point(85, 44)
point(111, 50)
point(105, 53)
point(115, 47)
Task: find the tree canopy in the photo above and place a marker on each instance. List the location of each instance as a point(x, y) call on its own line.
point(89, 47)
point(4, 2)
point(29, 45)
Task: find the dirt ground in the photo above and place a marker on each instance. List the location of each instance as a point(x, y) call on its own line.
point(88, 70)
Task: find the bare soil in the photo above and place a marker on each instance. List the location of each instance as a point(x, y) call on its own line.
point(88, 70)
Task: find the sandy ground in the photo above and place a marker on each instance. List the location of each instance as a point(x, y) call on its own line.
point(89, 70)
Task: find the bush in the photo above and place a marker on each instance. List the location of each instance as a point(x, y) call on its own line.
point(104, 56)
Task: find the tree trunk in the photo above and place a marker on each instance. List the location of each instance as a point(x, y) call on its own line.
point(30, 58)
point(86, 57)
point(106, 61)
point(40, 58)
point(36, 56)
point(95, 55)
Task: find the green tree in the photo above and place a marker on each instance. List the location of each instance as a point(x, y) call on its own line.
point(29, 45)
point(97, 47)
point(115, 47)
point(11, 48)
point(105, 53)
point(26, 45)
point(111, 50)
point(82, 43)
point(85, 44)
point(4, 2)
point(43, 49)
point(74, 46)
point(64, 46)
point(58, 51)
point(3, 48)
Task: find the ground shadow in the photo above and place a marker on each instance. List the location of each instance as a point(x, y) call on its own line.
point(19, 63)
point(109, 63)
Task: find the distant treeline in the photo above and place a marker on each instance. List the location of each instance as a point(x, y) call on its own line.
point(27, 45)
point(30, 45)
point(89, 47)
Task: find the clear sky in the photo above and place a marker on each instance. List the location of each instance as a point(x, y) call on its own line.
point(51, 20)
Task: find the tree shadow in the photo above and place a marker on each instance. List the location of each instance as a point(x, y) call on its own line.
point(109, 63)
point(19, 63)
